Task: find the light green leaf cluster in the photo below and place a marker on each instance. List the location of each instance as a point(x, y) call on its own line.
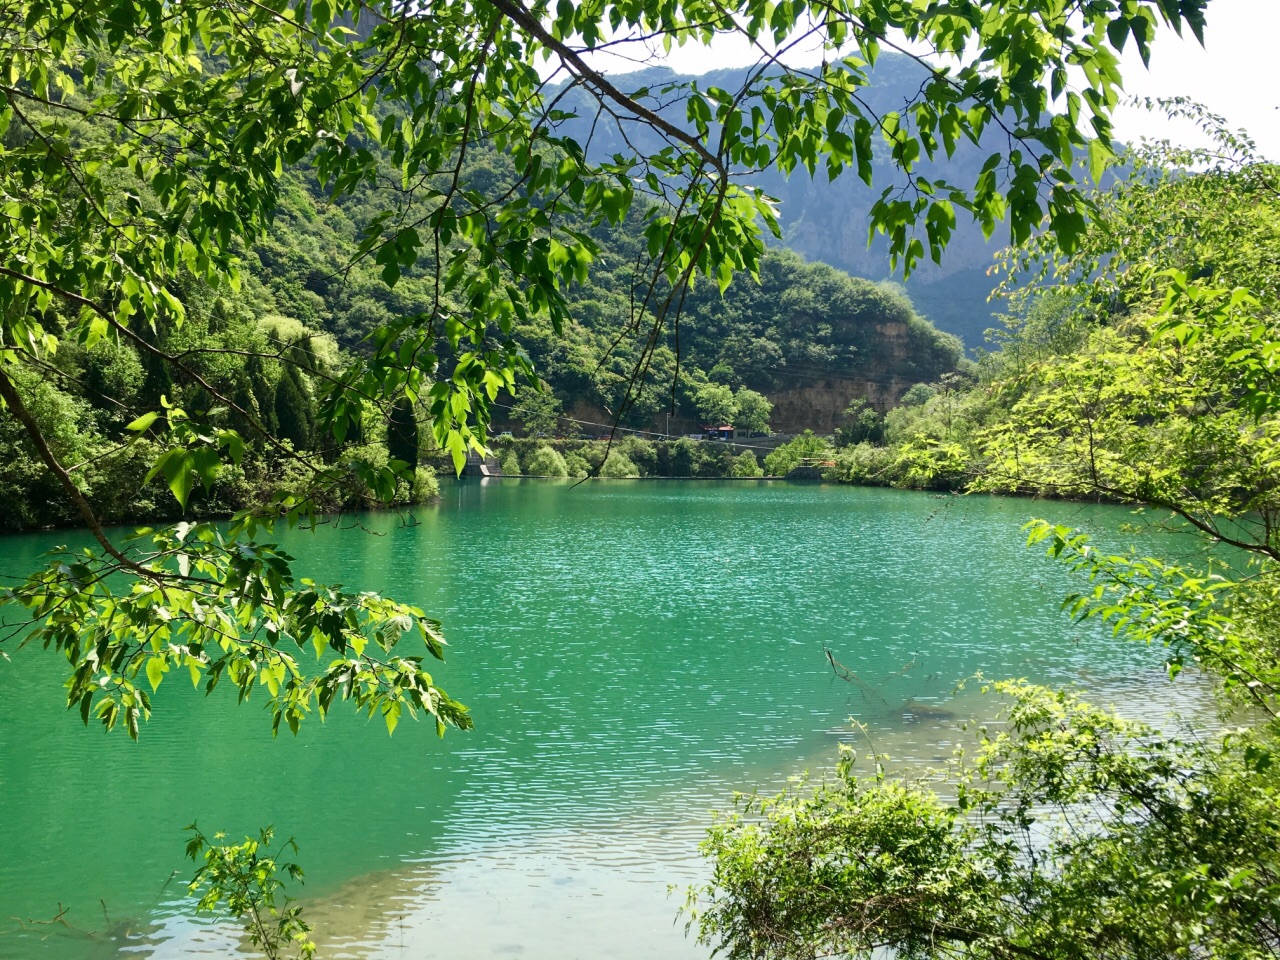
point(577, 466)
point(1153, 419)
point(1154, 377)
point(1073, 833)
point(746, 466)
point(864, 464)
point(221, 608)
point(617, 466)
point(1157, 602)
point(716, 405)
point(807, 446)
point(509, 464)
point(754, 410)
point(243, 881)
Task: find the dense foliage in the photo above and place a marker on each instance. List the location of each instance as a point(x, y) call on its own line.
point(307, 305)
point(1148, 374)
point(1075, 833)
point(147, 151)
point(144, 151)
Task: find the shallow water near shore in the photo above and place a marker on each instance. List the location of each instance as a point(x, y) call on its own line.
point(632, 653)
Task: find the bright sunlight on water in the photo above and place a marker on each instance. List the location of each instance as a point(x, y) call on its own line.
point(633, 652)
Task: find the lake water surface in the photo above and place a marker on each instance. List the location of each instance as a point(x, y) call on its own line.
point(633, 652)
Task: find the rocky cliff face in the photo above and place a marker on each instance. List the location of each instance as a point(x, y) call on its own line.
point(818, 404)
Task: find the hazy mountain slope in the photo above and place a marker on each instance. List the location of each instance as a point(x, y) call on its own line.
point(827, 220)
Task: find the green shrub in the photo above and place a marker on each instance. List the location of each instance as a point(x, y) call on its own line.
point(866, 464)
point(593, 452)
point(918, 395)
point(546, 462)
point(425, 485)
point(683, 458)
point(618, 467)
point(641, 452)
point(509, 464)
point(746, 465)
point(715, 461)
point(576, 466)
point(931, 465)
point(754, 410)
point(788, 456)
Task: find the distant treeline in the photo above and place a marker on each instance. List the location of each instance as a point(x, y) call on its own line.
point(308, 299)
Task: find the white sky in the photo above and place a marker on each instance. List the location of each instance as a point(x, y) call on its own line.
point(1233, 74)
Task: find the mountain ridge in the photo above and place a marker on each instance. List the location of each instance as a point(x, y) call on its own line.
point(827, 220)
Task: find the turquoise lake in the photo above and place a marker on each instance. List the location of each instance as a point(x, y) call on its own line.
point(633, 652)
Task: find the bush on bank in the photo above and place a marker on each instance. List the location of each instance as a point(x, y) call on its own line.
point(919, 462)
point(683, 458)
point(546, 462)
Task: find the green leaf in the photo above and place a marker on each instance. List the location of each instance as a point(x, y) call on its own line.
point(1100, 157)
point(155, 671)
point(1118, 32)
point(143, 422)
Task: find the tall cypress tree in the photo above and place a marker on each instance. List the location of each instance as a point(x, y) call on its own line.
point(402, 433)
point(293, 409)
point(264, 393)
point(156, 381)
point(243, 397)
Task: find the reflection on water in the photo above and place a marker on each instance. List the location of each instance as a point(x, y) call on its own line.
point(633, 654)
point(614, 891)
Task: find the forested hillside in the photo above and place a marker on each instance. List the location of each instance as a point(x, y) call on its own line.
point(809, 336)
point(806, 335)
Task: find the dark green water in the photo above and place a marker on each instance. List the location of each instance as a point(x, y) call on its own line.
point(632, 653)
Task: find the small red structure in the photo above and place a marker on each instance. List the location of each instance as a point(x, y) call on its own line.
point(719, 433)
